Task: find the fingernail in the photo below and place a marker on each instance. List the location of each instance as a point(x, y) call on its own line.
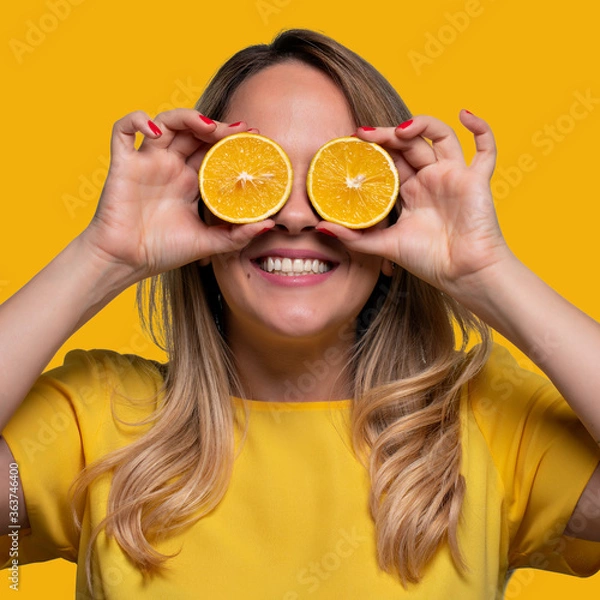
point(154, 128)
point(252, 130)
point(326, 232)
point(367, 128)
point(468, 112)
point(235, 124)
point(207, 120)
point(405, 124)
point(353, 135)
point(263, 231)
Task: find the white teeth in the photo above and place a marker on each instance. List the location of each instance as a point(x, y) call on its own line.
point(286, 265)
point(295, 267)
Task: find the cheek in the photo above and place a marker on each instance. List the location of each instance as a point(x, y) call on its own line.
point(368, 267)
point(367, 272)
point(227, 269)
point(237, 279)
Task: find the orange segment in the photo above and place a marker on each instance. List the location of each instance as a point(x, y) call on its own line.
point(352, 182)
point(245, 177)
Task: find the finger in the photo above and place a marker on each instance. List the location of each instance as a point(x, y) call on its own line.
point(484, 160)
point(384, 136)
point(416, 153)
point(124, 130)
point(187, 143)
point(376, 241)
point(444, 142)
point(187, 126)
point(195, 158)
point(405, 169)
point(227, 237)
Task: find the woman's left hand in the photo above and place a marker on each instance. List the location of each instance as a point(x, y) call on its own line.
point(447, 233)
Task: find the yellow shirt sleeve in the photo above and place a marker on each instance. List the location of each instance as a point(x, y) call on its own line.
point(544, 456)
point(56, 432)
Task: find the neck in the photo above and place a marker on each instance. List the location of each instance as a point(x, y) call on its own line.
point(302, 371)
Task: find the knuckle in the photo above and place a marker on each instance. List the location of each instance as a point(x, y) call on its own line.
point(175, 114)
point(132, 117)
point(137, 116)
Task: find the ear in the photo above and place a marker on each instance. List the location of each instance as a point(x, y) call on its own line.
point(387, 267)
point(204, 262)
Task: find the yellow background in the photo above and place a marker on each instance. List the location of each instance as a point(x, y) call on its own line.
point(67, 78)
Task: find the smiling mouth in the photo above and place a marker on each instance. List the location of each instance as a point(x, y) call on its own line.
point(293, 267)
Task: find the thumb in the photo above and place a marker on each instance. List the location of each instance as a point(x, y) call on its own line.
point(374, 240)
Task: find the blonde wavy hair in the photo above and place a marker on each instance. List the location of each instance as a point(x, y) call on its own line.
point(414, 352)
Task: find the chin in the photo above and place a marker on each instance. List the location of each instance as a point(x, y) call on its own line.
point(301, 328)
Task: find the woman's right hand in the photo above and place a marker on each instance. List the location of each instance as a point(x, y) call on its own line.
point(147, 218)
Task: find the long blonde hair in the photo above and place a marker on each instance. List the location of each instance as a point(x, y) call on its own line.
point(408, 367)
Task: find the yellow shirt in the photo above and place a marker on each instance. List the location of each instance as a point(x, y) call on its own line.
point(294, 523)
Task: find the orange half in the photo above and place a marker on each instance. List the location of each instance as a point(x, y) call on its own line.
point(352, 182)
point(245, 177)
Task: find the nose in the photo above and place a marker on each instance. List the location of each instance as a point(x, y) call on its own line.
point(297, 214)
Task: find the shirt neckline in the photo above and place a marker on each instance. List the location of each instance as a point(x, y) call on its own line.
point(268, 405)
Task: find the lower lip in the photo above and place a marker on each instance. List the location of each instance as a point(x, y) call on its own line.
point(294, 280)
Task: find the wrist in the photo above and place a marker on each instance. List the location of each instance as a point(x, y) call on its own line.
point(511, 299)
point(93, 279)
point(495, 290)
point(111, 274)
point(480, 287)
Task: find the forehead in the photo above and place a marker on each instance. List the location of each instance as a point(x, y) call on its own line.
point(292, 95)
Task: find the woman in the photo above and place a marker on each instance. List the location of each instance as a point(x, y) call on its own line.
point(474, 467)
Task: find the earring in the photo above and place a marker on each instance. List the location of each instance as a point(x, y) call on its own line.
point(388, 268)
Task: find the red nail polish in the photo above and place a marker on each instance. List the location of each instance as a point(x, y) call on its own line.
point(263, 231)
point(368, 128)
point(468, 112)
point(235, 124)
point(326, 232)
point(252, 130)
point(154, 128)
point(207, 120)
point(405, 124)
